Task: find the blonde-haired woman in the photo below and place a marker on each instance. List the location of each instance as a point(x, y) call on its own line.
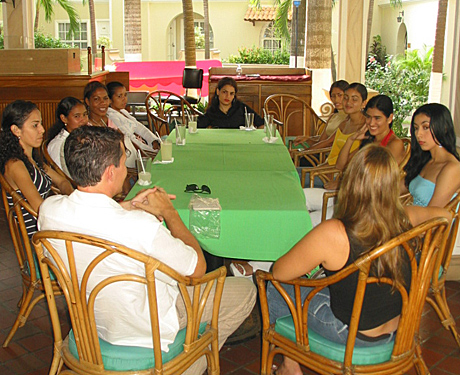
point(368, 214)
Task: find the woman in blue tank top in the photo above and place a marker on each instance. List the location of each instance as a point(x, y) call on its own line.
point(369, 213)
point(433, 170)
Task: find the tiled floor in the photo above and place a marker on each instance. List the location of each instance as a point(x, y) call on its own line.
point(31, 348)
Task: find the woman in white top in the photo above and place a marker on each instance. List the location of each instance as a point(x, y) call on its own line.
point(97, 102)
point(139, 135)
point(70, 115)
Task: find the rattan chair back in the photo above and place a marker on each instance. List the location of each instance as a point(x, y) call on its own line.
point(288, 109)
point(437, 293)
point(75, 285)
point(428, 237)
point(163, 107)
point(24, 254)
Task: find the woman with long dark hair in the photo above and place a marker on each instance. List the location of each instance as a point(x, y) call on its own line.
point(225, 111)
point(20, 138)
point(377, 130)
point(369, 213)
point(433, 170)
point(70, 115)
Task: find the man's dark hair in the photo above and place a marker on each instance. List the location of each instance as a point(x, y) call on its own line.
point(89, 150)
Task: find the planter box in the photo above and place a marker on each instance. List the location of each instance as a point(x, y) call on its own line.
point(40, 61)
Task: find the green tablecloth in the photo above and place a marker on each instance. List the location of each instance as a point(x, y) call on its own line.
point(263, 206)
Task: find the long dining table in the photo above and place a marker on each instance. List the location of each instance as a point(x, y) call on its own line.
point(263, 206)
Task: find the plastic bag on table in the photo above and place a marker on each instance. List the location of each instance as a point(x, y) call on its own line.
point(204, 217)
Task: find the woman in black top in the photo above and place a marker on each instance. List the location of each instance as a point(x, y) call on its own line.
point(225, 111)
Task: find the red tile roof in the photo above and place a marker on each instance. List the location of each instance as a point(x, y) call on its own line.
point(264, 13)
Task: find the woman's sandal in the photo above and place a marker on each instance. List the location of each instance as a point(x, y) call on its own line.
point(236, 272)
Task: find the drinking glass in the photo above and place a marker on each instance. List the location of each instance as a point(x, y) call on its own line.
point(192, 124)
point(144, 176)
point(180, 134)
point(268, 124)
point(166, 150)
point(249, 120)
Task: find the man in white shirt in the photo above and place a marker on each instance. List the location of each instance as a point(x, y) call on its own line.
point(96, 161)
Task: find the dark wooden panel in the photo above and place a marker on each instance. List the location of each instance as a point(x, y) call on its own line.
point(47, 90)
point(254, 92)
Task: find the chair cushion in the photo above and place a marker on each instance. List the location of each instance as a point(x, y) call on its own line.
point(441, 270)
point(133, 358)
point(336, 352)
point(37, 268)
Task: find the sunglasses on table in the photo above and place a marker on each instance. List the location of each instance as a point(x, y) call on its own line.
point(194, 188)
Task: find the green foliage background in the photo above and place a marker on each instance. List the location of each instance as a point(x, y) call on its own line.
point(41, 41)
point(257, 55)
point(405, 79)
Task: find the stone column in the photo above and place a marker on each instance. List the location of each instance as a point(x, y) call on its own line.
point(18, 24)
point(318, 52)
point(352, 37)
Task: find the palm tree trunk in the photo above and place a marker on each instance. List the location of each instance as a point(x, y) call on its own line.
point(133, 31)
point(369, 23)
point(438, 52)
point(189, 34)
point(37, 15)
point(319, 25)
point(298, 40)
point(207, 53)
point(92, 20)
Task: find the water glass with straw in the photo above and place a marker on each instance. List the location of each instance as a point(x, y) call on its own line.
point(249, 117)
point(180, 133)
point(145, 178)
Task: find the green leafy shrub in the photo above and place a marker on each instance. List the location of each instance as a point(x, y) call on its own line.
point(199, 38)
point(257, 55)
point(377, 52)
point(104, 41)
point(405, 79)
point(41, 41)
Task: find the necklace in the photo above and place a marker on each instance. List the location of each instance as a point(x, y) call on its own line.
point(100, 123)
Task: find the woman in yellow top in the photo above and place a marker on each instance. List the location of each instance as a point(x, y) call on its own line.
point(354, 101)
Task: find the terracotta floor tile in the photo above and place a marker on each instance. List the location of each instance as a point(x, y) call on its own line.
point(438, 371)
point(26, 364)
point(226, 367)
point(6, 371)
point(240, 355)
point(36, 342)
point(450, 364)
point(444, 343)
point(12, 351)
point(430, 357)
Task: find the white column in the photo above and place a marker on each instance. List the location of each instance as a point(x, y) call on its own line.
point(352, 52)
point(18, 24)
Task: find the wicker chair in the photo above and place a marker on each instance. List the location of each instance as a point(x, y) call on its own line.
point(437, 293)
point(83, 352)
point(31, 279)
point(287, 109)
point(290, 335)
point(161, 105)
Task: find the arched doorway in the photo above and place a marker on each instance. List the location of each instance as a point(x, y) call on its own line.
point(175, 34)
point(401, 39)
